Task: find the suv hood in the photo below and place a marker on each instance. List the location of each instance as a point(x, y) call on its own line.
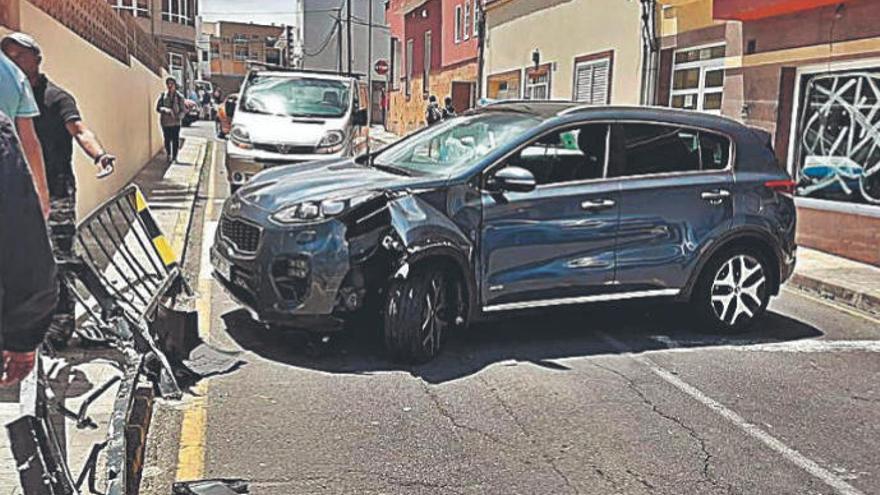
point(316, 181)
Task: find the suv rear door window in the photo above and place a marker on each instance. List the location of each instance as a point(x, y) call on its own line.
point(565, 156)
point(649, 149)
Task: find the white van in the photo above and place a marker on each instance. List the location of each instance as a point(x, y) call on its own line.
point(285, 117)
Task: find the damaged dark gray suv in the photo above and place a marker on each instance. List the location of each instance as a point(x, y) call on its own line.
point(515, 206)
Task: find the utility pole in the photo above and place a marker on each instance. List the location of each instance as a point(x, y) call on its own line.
point(339, 40)
point(481, 47)
point(348, 34)
point(369, 71)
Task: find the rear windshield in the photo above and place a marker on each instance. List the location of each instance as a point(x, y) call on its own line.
point(296, 96)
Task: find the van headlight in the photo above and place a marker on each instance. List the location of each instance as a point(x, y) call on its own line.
point(332, 142)
point(240, 137)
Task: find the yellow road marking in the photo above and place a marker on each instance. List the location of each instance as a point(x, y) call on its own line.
point(837, 307)
point(193, 428)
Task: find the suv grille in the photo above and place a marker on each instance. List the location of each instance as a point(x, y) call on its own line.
point(285, 149)
point(243, 236)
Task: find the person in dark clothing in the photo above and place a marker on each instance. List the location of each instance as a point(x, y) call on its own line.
point(28, 279)
point(448, 109)
point(172, 109)
point(433, 113)
point(58, 125)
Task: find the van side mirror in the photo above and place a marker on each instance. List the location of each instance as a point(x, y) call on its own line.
point(230, 108)
point(513, 179)
point(360, 117)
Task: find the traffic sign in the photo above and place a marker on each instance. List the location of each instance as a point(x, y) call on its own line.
point(381, 67)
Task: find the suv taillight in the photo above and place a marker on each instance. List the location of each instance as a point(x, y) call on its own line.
point(785, 186)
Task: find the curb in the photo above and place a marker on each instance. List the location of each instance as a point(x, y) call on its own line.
point(138, 423)
point(860, 301)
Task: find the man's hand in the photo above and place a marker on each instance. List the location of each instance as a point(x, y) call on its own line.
point(16, 366)
point(105, 165)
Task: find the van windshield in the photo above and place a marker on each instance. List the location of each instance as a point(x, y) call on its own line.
point(296, 96)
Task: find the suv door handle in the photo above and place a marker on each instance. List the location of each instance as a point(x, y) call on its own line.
point(715, 197)
point(597, 205)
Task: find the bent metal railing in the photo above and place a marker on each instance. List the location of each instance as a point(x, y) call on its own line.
point(124, 276)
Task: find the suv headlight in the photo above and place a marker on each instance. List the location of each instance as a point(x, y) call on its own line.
point(315, 210)
point(240, 137)
point(332, 142)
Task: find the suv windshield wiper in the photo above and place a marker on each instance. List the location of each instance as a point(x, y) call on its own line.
point(389, 168)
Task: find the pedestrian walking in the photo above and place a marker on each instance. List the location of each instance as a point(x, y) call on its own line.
point(433, 113)
point(58, 125)
point(448, 109)
point(207, 109)
point(172, 109)
point(17, 102)
point(28, 280)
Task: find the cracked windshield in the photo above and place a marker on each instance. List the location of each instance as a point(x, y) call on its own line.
point(439, 247)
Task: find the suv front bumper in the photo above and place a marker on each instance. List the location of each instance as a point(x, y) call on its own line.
point(294, 276)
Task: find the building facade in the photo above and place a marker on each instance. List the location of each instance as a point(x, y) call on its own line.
point(325, 43)
point(434, 49)
point(234, 46)
point(808, 72)
point(582, 50)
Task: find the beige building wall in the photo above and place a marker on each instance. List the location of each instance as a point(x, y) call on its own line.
point(116, 101)
point(563, 30)
point(680, 16)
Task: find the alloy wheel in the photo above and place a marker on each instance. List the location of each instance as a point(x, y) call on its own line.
point(739, 290)
point(433, 316)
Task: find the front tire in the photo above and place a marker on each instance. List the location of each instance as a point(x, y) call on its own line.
point(417, 316)
point(734, 290)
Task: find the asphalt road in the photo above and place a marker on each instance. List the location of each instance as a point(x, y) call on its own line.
point(618, 399)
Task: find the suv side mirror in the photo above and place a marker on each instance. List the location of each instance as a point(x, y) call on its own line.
point(360, 117)
point(513, 179)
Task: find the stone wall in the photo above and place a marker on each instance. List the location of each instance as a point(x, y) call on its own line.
point(407, 114)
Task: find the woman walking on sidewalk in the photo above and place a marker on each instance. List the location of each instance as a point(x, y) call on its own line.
point(172, 109)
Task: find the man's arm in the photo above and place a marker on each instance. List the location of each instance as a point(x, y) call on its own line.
point(91, 146)
point(33, 153)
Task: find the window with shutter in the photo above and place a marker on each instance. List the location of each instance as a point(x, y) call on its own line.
point(592, 81)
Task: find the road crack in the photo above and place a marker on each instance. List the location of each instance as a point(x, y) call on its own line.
point(438, 404)
point(706, 455)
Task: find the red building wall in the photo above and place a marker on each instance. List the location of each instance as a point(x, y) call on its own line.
point(466, 49)
point(426, 17)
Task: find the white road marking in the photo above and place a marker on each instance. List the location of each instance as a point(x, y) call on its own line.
point(208, 231)
point(742, 345)
point(753, 431)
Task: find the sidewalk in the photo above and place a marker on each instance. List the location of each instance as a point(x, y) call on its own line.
point(380, 137)
point(844, 281)
point(170, 192)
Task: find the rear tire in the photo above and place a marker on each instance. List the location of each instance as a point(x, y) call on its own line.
point(733, 291)
point(417, 315)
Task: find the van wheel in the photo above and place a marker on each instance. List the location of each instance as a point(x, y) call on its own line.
point(417, 316)
point(733, 291)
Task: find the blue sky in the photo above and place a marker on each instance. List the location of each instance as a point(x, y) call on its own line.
point(260, 11)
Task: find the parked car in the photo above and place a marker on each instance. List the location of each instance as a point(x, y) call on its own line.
point(285, 117)
point(510, 207)
point(225, 112)
point(193, 112)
